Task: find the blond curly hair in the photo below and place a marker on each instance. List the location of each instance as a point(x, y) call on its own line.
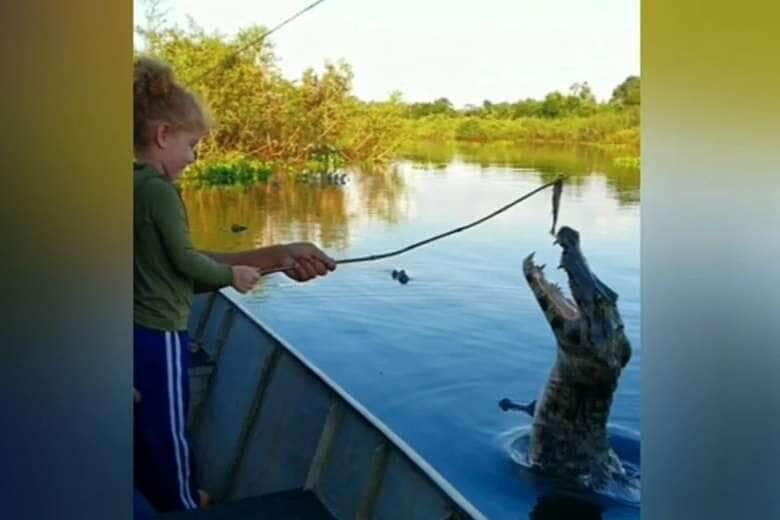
point(159, 98)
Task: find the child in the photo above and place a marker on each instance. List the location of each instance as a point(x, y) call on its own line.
point(168, 123)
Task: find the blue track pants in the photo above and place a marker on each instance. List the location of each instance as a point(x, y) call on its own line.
point(164, 469)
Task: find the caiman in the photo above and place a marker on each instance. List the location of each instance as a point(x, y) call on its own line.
point(568, 437)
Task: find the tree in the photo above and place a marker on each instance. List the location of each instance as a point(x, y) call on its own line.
point(262, 115)
point(627, 93)
point(580, 101)
point(526, 108)
point(553, 105)
point(155, 20)
point(443, 104)
point(582, 91)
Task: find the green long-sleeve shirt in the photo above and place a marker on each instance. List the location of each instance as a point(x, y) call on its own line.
point(166, 266)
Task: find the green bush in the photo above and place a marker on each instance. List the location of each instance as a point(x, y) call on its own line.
point(471, 130)
point(266, 122)
point(229, 171)
point(266, 118)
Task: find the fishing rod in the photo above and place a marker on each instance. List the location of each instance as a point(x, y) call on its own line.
point(557, 183)
point(556, 201)
point(257, 40)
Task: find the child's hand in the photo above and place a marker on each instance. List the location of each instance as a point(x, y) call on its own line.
point(136, 396)
point(244, 277)
point(306, 261)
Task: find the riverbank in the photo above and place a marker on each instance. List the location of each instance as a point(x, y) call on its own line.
point(610, 130)
point(271, 125)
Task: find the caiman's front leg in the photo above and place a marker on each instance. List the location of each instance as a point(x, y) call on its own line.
point(507, 404)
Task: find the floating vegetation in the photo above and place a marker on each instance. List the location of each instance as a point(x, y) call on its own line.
point(626, 162)
point(230, 172)
point(314, 124)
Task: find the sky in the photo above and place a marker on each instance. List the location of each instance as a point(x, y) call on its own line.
point(500, 50)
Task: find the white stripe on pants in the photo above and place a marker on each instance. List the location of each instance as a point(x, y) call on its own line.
point(174, 405)
point(180, 404)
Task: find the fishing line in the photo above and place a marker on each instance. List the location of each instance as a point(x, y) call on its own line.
point(557, 190)
point(558, 183)
point(256, 41)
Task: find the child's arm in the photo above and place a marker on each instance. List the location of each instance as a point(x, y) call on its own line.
point(171, 221)
point(264, 258)
point(304, 259)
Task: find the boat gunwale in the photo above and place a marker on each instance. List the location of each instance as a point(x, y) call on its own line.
point(420, 464)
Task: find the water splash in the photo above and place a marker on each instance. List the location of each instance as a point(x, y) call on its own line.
point(625, 490)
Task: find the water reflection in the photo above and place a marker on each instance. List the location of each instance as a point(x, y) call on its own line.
point(383, 192)
point(577, 162)
point(286, 210)
point(475, 333)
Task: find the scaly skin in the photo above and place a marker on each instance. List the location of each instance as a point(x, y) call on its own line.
point(568, 433)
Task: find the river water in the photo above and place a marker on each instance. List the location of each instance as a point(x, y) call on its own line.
point(433, 357)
